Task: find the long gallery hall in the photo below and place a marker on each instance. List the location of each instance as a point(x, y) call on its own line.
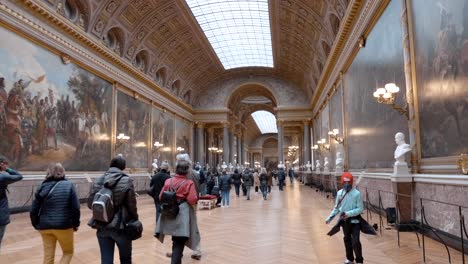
point(127, 122)
point(282, 229)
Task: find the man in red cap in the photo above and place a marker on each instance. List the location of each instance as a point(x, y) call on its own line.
point(349, 204)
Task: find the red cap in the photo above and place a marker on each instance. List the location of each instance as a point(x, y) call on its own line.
point(347, 177)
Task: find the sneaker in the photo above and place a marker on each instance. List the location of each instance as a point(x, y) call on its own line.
point(196, 256)
point(227, 206)
point(222, 206)
point(348, 261)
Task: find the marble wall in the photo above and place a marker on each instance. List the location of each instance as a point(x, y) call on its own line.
point(371, 126)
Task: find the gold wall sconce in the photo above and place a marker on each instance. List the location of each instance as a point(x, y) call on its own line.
point(322, 144)
point(121, 139)
point(180, 149)
point(212, 149)
point(334, 134)
point(387, 96)
point(157, 146)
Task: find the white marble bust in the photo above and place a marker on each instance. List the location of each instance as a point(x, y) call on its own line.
point(155, 164)
point(326, 164)
point(224, 166)
point(401, 149)
point(230, 166)
point(280, 165)
point(339, 160)
point(308, 166)
point(317, 164)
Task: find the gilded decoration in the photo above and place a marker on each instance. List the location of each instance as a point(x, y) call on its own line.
point(463, 163)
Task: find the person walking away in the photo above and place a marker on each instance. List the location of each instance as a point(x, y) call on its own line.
point(55, 212)
point(291, 175)
point(349, 204)
point(179, 226)
point(236, 179)
point(248, 180)
point(281, 178)
point(202, 181)
point(225, 187)
point(156, 184)
point(7, 177)
point(263, 178)
point(270, 180)
point(125, 210)
point(210, 181)
point(256, 181)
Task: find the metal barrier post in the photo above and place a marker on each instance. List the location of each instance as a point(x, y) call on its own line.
point(462, 222)
point(422, 230)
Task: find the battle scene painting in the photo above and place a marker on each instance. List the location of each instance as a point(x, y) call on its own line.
point(183, 132)
point(336, 122)
point(371, 126)
point(51, 111)
point(133, 121)
point(441, 51)
point(163, 137)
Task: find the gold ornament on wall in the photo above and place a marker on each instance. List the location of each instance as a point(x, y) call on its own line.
point(463, 163)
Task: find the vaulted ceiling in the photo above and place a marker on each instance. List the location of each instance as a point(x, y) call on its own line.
point(163, 39)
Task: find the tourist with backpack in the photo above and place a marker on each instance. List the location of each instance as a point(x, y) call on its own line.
point(281, 177)
point(248, 180)
point(178, 198)
point(7, 176)
point(113, 203)
point(263, 178)
point(236, 179)
point(55, 212)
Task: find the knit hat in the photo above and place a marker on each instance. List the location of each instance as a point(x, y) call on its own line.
point(347, 177)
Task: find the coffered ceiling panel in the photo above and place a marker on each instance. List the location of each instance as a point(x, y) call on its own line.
point(165, 36)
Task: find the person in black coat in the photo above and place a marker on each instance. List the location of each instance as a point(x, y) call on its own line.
point(7, 176)
point(125, 208)
point(236, 179)
point(55, 212)
point(157, 183)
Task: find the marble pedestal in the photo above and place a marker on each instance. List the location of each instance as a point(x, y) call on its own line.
point(402, 185)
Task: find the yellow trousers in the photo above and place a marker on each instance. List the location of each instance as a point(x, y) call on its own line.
point(65, 239)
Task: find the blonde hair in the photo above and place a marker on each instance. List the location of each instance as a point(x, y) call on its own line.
point(55, 171)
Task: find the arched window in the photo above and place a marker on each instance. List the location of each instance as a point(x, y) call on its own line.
point(141, 60)
point(114, 39)
point(176, 87)
point(161, 76)
point(335, 23)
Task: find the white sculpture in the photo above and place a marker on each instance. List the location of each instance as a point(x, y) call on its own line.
point(155, 164)
point(326, 164)
point(280, 165)
point(401, 149)
point(224, 166)
point(230, 166)
point(318, 166)
point(339, 161)
point(308, 166)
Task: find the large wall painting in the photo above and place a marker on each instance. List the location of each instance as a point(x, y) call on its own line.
point(163, 136)
point(316, 131)
point(183, 136)
point(371, 126)
point(441, 49)
point(325, 117)
point(336, 122)
point(133, 120)
point(51, 111)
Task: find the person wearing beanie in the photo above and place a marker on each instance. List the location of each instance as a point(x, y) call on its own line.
point(349, 205)
point(157, 183)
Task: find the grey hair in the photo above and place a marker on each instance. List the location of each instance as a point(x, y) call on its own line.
point(165, 165)
point(183, 164)
point(55, 171)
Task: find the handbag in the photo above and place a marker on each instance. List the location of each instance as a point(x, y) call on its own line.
point(133, 229)
point(45, 199)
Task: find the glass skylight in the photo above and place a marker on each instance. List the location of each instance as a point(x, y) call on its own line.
point(238, 30)
point(266, 122)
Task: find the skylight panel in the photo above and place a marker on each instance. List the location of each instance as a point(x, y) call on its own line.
point(266, 121)
point(239, 31)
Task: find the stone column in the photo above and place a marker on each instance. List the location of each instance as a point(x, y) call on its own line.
point(280, 141)
point(210, 144)
point(231, 148)
point(226, 143)
point(200, 144)
point(239, 158)
point(306, 142)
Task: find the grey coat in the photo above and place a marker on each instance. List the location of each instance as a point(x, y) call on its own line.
point(184, 225)
point(6, 178)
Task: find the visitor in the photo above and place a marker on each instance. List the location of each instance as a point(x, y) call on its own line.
point(225, 187)
point(263, 178)
point(236, 179)
point(248, 181)
point(156, 184)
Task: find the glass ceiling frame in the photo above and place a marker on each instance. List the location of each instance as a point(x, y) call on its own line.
point(238, 30)
point(266, 121)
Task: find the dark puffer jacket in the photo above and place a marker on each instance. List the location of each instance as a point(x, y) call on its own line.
point(123, 195)
point(225, 182)
point(236, 178)
point(61, 209)
point(157, 182)
point(6, 178)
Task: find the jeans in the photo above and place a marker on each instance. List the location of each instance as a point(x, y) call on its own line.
point(225, 197)
point(248, 192)
point(107, 240)
point(65, 239)
point(269, 188)
point(203, 189)
point(237, 187)
point(291, 179)
point(281, 184)
point(264, 190)
point(351, 240)
point(178, 244)
point(2, 232)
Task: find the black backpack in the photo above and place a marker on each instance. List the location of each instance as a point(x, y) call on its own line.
point(169, 205)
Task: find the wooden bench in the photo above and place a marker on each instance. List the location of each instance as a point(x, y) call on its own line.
point(207, 204)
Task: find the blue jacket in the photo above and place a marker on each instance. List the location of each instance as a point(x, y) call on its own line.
point(61, 210)
point(352, 204)
point(6, 178)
